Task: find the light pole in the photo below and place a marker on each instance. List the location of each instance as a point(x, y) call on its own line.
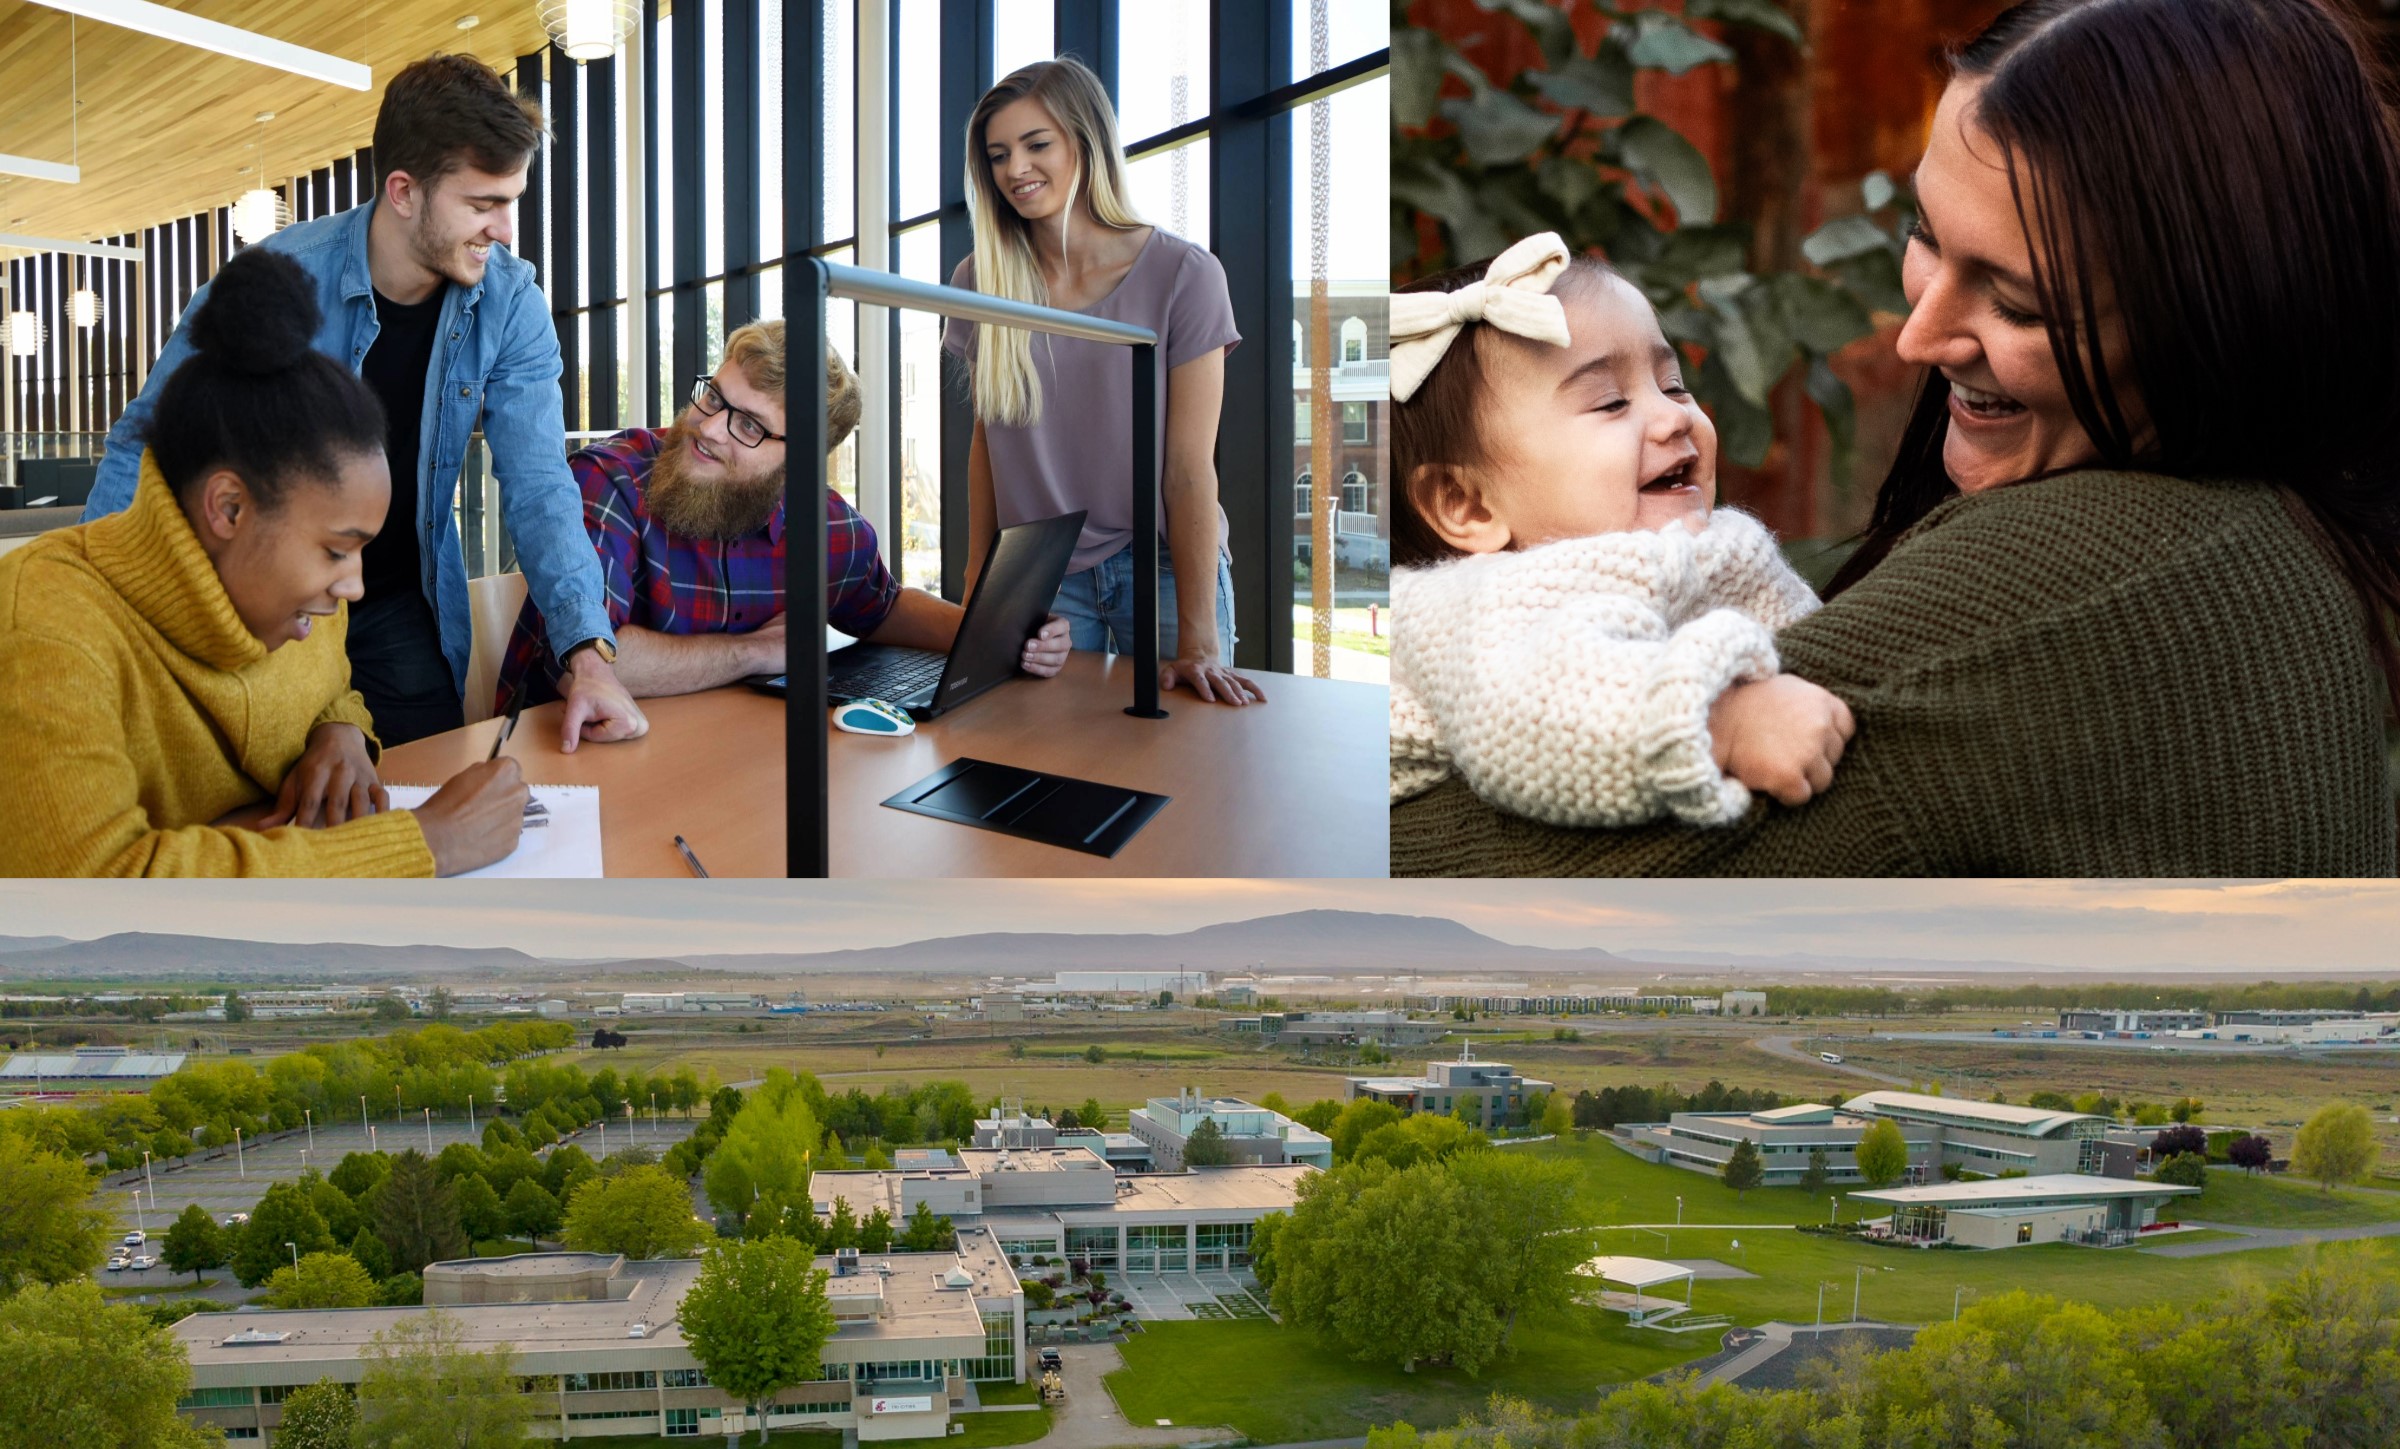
point(1855, 1284)
point(429, 1132)
point(397, 1109)
point(654, 1116)
point(309, 1116)
point(239, 1169)
point(147, 1178)
point(295, 1247)
point(362, 1115)
point(604, 1139)
point(371, 1147)
point(1954, 1297)
point(140, 1221)
point(471, 1116)
point(1679, 1210)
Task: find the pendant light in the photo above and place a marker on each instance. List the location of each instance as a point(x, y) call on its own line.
point(589, 29)
point(259, 213)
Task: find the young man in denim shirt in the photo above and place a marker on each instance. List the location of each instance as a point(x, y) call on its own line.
point(423, 298)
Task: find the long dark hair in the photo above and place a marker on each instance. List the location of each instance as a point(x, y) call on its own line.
point(2229, 168)
point(256, 396)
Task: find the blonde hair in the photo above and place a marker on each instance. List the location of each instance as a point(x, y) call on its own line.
point(1005, 388)
point(757, 349)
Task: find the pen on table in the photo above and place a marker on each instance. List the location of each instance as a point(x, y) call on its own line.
point(690, 859)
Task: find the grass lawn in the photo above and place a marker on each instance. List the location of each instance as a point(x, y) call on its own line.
point(781, 1439)
point(2194, 1235)
point(2270, 1202)
point(987, 1431)
point(1008, 1393)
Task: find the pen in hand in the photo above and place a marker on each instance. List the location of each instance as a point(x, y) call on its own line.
point(690, 859)
point(507, 727)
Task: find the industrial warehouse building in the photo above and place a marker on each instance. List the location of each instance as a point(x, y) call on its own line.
point(1251, 1133)
point(597, 1345)
point(2057, 1207)
point(1981, 1137)
point(1492, 1091)
point(88, 1068)
point(1068, 1202)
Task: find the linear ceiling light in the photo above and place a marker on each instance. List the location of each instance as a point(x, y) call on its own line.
point(224, 39)
point(38, 170)
point(103, 250)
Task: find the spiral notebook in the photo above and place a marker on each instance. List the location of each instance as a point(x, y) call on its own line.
point(561, 839)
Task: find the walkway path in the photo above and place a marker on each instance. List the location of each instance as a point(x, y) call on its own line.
point(1773, 1339)
point(1090, 1419)
point(1781, 1046)
point(2266, 1238)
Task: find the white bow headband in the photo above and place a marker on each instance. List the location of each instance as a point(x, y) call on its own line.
point(1513, 296)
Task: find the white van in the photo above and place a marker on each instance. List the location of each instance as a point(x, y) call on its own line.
point(1833, 1057)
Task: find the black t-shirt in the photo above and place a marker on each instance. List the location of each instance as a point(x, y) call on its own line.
point(395, 368)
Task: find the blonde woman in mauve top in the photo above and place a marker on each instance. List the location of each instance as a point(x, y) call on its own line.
point(1053, 431)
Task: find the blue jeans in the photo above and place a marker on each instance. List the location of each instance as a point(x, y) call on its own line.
point(1097, 604)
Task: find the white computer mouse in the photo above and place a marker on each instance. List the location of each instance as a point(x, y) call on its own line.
point(873, 717)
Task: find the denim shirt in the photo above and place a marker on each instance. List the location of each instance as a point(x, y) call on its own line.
point(496, 358)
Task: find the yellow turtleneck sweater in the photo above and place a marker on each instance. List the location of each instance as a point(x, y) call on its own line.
point(135, 708)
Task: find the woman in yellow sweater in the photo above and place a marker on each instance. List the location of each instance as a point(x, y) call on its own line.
point(174, 694)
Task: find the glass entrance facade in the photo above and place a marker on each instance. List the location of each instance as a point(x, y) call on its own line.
point(1164, 1248)
point(1099, 1245)
point(1221, 1247)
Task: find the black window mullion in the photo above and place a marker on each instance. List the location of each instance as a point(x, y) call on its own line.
point(1087, 30)
point(530, 230)
point(895, 451)
point(966, 71)
point(345, 187)
point(647, 279)
point(600, 106)
point(1249, 159)
point(321, 188)
point(740, 161)
point(691, 87)
point(566, 281)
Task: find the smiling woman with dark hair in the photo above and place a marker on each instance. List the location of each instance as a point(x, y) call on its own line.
point(2126, 604)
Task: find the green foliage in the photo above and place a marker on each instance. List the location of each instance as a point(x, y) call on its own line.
point(1882, 1153)
point(757, 1318)
point(372, 1255)
point(1095, 1054)
point(1563, 148)
point(1422, 1138)
point(643, 1213)
point(236, 1009)
point(875, 1234)
point(531, 1212)
point(1206, 1146)
point(416, 1215)
point(1815, 1176)
point(1356, 1119)
point(425, 1388)
point(49, 1230)
point(194, 1243)
point(321, 1416)
point(1743, 1171)
point(1433, 1262)
point(2184, 1169)
point(2335, 1145)
point(927, 1233)
point(1609, 1106)
point(359, 1173)
point(479, 1211)
point(768, 1146)
point(321, 1280)
point(283, 1221)
point(82, 1374)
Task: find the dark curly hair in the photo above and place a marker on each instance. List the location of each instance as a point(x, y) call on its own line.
point(256, 396)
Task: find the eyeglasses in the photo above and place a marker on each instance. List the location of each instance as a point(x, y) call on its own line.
point(747, 430)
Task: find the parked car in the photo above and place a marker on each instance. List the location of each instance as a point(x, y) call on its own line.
point(144, 1263)
point(235, 1220)
point(1049, 1361)
point(136, 1239)
point(117, 1262)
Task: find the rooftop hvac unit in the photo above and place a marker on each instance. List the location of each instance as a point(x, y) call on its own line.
point(845, 1262)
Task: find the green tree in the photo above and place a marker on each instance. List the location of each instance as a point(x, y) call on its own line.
point(1525, 1234)
point(1206, 1146)
point(2335, 1145)
point(769, 1146)
point(283, 1222)
point(531, 1211)
point(1814, 1177)
point(2184, 1169)
point(1355, 1120)
point(1742, 1170)
point(1423, 1138)
point(194, 1243)
point(643, 1213)
point(320, 1416)
point(927, 1233)
point(84, 1374)
point(236, 1009)
point(439, 1004)
point(1095, 1054)
point(360, 1173)
point(416, 1215)
point(1093, 1114)
point(424, 1388)
point(875, 1234)
point(49, 1230)
point(757, 1318)
point(372, 1255)
point(1882, 1153)
point(479, 1211)
point(1558, 1115)
point(321, 1280)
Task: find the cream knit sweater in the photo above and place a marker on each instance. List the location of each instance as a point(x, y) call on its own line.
point(1571, 683)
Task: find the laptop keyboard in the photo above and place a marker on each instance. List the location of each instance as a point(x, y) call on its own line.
point(891, 677)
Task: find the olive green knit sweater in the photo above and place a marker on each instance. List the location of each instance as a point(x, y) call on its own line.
point(2096, 674)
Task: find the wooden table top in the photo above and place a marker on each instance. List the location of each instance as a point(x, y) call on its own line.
point(1295, 787)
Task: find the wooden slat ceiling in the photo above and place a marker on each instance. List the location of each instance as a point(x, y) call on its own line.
point(164, 126)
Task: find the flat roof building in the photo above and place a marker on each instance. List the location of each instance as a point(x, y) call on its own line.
point(1066, 1202)
point(1987, 1138)
point(113, 1065)
point(2007, 1212)
point(1493, 1091)
point(1252, 1134)
point(595, 1339)
point(2086, 1018)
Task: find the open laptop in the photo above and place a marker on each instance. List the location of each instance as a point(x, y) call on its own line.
point(1012, 598)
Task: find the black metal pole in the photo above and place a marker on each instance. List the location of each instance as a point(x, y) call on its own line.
point(807, 850)
point(1145, 533)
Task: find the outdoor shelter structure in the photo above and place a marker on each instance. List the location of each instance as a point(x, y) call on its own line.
point(1638, 1274)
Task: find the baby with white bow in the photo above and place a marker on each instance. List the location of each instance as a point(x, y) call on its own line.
point(1575, 632)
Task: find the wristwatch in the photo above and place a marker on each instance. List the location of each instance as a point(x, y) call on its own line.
point(605, 648)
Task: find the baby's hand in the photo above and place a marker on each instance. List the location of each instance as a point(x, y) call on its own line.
point(1782, 735)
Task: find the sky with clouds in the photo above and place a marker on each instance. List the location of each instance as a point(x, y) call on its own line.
point(2266, 925)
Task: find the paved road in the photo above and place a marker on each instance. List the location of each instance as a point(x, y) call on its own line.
point(1773, 1339)
point(1781, 1046)
point(2266, 1238)
point(1090, 1419)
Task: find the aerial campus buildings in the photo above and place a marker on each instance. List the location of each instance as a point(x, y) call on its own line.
point(599, 1351)
point(1491, 1093)
point(1983, 1137)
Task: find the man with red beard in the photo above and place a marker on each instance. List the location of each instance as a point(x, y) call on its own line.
point(688, 523)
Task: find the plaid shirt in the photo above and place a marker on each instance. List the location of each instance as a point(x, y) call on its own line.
point(680, 585)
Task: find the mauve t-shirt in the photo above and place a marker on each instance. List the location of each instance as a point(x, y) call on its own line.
point(1080, 455)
